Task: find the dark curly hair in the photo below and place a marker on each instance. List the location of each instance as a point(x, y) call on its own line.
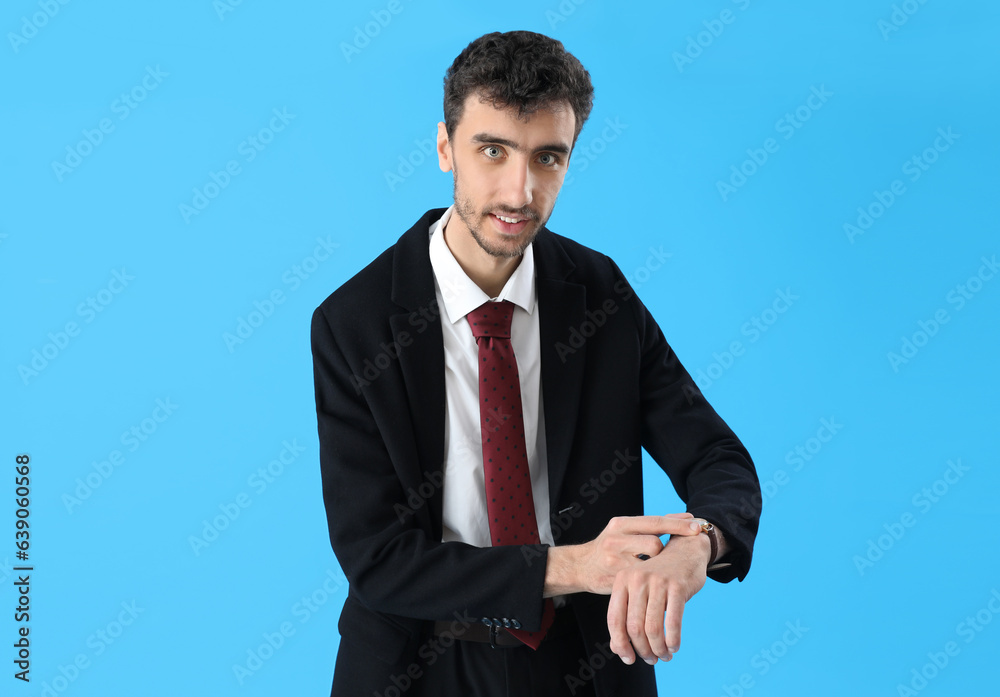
point(519, 69)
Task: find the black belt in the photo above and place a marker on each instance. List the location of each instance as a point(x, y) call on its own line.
point(563, 623)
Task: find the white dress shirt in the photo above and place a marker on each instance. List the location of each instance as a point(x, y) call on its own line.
point(464, 490)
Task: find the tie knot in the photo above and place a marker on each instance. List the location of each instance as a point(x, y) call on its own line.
point(492, 319)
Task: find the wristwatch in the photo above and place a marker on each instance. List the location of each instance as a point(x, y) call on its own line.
point(713, 536)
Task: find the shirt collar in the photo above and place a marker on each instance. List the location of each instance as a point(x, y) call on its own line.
point(460, 294)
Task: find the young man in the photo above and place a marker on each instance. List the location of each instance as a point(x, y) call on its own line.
point(456, 583)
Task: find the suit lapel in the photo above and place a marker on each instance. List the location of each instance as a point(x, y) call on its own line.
point(422, 362)
point(562, 305)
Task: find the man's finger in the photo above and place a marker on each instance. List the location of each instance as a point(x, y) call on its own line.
point(657, 525)
point(674, 614)
point(617, 610)
point(655, 610)
point(635, 623)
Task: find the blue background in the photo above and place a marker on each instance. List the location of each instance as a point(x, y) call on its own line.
point(690, 90)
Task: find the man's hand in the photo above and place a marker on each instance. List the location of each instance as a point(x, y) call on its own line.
point(593, 566)
point(645, 591)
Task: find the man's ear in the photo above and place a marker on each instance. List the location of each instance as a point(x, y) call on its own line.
point(444, 148)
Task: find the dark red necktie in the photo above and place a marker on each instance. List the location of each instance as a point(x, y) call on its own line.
point(509, 504)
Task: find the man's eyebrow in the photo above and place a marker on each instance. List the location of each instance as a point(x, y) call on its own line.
point(561, 148)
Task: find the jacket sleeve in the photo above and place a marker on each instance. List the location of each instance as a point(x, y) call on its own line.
point(709, 467)
point(389, 559)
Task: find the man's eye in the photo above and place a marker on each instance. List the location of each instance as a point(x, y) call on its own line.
point(548, 159)
point(492, 151)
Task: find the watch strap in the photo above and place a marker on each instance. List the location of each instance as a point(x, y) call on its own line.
point(713, 536)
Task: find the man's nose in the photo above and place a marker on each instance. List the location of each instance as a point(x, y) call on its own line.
point(517, 185)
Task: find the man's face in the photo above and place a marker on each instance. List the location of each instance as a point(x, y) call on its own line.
point(503, 166)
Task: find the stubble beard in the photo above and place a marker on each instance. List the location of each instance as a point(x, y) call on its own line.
point(473, 221)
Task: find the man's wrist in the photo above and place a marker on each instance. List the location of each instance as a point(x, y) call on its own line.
point(562, 571)
point(699, 542)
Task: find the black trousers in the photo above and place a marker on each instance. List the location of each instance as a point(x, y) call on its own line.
point(446, 666)
point(474, 669)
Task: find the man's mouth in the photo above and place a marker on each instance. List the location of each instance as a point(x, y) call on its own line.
point(509, 225)
point(509, 220)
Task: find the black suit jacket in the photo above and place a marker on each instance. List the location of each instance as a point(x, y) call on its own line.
point(611, 385)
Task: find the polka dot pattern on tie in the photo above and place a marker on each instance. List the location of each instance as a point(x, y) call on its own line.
point(510, 506)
